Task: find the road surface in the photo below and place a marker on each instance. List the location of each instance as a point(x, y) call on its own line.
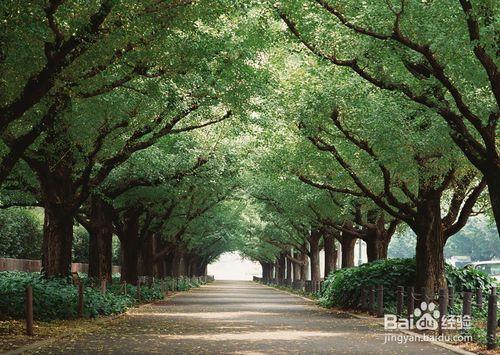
point(237, 317)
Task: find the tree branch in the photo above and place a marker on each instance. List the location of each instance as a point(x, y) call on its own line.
point(328, 187)
point(467, 209)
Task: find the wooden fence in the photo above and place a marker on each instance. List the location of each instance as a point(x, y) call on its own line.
point(9, 264)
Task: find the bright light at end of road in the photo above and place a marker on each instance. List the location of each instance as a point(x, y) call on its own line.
point(231, 266)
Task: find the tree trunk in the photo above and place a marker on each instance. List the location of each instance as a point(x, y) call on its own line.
point(159, 262)
point(100, 240)
point(376, 236)
point(58, 199)
point(179, 262)
point(330, 254)
point(147, 255)
point(297, 271)
point(187, 262)
point(430, 245)
point(376, 246)
point(493, 182)
point(314, 255)
point(201, 266)
point(289, 275)
point(281, 269)
point(376, 249)
point(159, 268)
point(265, 271)
point(202, 269)
point(271, 271)
point(348, 244)
point(130, 255)
point(129, 239)
point(57, 240)
point(192, 265)
point(304, 270)
point(297, 268)
point(168, 262)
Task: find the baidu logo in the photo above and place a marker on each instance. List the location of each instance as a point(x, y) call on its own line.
point(429, 316)
point(426, 317)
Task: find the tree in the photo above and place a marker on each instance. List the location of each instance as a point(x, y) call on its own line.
point(20, 235)
point(403, 49)
point(405, 164)
point(66, 45)
point(70, 165)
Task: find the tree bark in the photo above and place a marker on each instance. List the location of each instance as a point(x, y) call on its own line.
point(129, 240)
point(289, 274)
point(57, 240)
point(58, 199)
point(193, 265)
point(376, 236)
point(493, 181)
point(168, 262)
point(376, 248)
point(314, 255)
point(202, 269)
point(304, 269)
point(348, 244)
point(330, 254)
point(100, 240)
point(281, 269)
point(179, 262)
point(147, 255)
point(266, 268)
point(159, 262)
point(297, 268)
point(430, 244)
point(297, 271)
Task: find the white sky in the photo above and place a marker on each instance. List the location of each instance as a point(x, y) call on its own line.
point(231, 266)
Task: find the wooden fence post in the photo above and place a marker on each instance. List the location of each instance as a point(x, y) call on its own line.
point(479, 298)
point(80, 299)
point(442, 309)
point(380, 301)
point(492, 319)
point(138, 290)
point(411, 301)
point(451, 296)
point(467, 302)
point(363, 299)
point(371, 305)
point(29, 310)
point(399, 301)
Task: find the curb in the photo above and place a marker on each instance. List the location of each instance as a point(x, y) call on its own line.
point(41, 343)
point(446, 346)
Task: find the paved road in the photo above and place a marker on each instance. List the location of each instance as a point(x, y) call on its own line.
point(238, 317)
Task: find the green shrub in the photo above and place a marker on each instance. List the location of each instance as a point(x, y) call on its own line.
point(80, 246)
point(55, 298)
point(58, 298)
point(343, 287)
point(20, 234)
point(463, 279)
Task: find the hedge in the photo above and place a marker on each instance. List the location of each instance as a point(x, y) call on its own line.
point(58, 298)
point(342, 288)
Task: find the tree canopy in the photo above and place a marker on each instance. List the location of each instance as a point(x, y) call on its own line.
point(276, 129)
